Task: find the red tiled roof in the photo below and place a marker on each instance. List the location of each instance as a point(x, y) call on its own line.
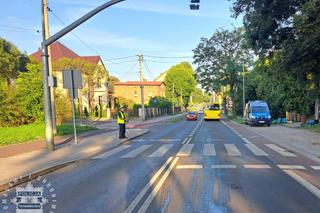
point(137, 83)
point(59, 51)
point(93, 59)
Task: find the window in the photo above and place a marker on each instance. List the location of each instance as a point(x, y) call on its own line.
point(135, 93)
point(214, 107)
point(99, 82)
point(100, 100)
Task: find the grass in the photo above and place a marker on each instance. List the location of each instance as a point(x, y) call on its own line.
point(25, 133)
point(314, 128)
point(66, 129)
point(238, 120)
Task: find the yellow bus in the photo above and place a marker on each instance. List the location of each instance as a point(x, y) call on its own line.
point(212, 112)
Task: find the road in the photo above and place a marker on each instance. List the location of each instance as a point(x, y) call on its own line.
point(191, 166)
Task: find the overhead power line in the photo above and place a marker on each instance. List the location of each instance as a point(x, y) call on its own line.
point(152, 56)
point(167, 62)
point(127, 73)
point(12, 27)
point(85, 44)
point(119, 62)
point(149, 71)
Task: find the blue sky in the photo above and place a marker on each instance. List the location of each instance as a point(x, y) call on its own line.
point(150, 27)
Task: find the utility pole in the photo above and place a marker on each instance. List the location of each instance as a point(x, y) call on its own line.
point(181, 99)
point(243, 93)
point(140, 59)
point(46, 88)
point(173, 99)
point(47, 35)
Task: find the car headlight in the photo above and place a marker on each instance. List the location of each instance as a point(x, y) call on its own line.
point(252, 116)
point(269, 116)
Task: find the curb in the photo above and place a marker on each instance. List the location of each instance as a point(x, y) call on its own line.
point(47, 170)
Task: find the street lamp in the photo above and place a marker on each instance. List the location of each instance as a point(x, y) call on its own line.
point(243, 92)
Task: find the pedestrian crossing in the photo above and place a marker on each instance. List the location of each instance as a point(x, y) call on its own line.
point(207, 150)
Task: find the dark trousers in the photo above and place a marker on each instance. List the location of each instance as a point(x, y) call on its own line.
point(122, 130)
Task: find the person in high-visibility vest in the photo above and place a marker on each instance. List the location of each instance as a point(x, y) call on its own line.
point(122, 119)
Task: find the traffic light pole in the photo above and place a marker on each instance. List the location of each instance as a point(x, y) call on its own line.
point(45, 63)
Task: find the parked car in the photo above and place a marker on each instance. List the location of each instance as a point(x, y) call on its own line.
point(192, 116)
point(257, 113)
point(212, 112)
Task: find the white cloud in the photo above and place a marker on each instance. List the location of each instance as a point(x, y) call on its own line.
point(100, 39)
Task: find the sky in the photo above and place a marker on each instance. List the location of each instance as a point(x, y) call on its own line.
point(167, 29)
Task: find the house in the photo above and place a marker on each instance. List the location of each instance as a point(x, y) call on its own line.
point(161, 77)
point(98, 94)
point(131, 90)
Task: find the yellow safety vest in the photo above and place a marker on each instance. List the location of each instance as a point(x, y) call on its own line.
point(121, 117)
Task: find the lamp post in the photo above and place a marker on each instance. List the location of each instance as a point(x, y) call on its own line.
point(45, 63)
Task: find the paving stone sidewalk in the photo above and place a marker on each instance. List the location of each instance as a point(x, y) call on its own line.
point(299, 140)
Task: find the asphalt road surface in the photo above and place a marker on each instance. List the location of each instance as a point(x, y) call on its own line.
point(190, 166)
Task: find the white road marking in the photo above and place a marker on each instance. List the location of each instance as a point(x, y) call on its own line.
point(256, 166)
point(232, 150)
point(241, 136)
point(256, 150)
point(246, 140)
point(291, 167)
point(185, 150)
point(185, 140)
point(112, 152)
point(136, 151)
point(194, 166)
point(155, 190)
point(279, 150)
point(156, 140)
point(188, 141)
point(315, 167)
point(162, 150)
point(134, 203)
point(209, 150)
point(311, 188)
point(223, 166)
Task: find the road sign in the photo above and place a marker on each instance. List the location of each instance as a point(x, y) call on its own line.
point(72, 79)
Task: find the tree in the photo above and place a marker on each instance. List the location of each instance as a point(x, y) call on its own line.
point(198, 96)
point(290, 29)
point(22, 102)
point(220, 60)
point(267, 22)
point(30, 92)
point(9, 61)
point(183, 79)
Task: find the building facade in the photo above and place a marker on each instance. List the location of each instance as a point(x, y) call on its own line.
point(98, 93)
point(130, 90)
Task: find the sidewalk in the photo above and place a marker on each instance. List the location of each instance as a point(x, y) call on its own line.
point(301, 141)
point(41, 161)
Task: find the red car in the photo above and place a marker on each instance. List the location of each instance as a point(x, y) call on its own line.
point(192, 116)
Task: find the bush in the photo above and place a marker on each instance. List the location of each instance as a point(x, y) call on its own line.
point(63, 107)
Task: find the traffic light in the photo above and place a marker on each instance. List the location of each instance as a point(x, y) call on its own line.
point(195, 5)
